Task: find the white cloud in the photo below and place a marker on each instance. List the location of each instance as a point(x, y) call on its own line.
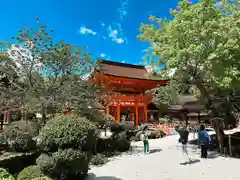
point(123, 9)
point(113, 34)
point(103, 55)
point(102, 24)
point(122, 61)
point(119, 40)
point(84, 30)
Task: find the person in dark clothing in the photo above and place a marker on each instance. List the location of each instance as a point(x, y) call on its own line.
point(204, 140)
point(184, 133)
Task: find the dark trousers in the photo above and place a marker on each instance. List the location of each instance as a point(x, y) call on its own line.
point(204, 149)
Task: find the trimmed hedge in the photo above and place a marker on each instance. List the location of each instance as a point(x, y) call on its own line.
point(29, 173)
point(4, 174)
point(68, 132)
point(67, 143)
point(117, 143)
point(3, 141)
point(98, 159)
point(64, 164)
point(20, 134)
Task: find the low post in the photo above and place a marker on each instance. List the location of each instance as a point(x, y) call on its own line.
point(230, 144)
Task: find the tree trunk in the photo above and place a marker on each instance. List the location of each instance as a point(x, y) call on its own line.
point(216, 122)
point(43, 114)
point(218, 127)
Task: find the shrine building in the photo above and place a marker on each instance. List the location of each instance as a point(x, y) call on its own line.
point(124, 95)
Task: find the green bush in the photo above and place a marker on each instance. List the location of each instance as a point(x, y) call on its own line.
point(64, 164)
point(46, 163)
point(98, 159)
point(4, 174)
point(121, 143)
point(21, 134)
point(3, 141)
point(117, 143)
point(68, 132)
point(29, 173)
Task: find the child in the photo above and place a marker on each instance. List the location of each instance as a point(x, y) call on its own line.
point(144, 138)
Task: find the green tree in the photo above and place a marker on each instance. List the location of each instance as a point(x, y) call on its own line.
point(201, 43)
point(236, 3)
point(46, 75)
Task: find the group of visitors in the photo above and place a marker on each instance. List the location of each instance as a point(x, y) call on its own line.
point(203, 139)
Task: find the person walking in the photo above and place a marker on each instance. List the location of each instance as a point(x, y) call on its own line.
point(204, 140)
point(144, 138)
point(184, 133)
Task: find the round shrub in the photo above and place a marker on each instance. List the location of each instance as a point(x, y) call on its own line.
point(98, 159)
point(21, 134)
point(64, 164)
point(4, 174)
point(29, 173)
point(121, 143)
point(116, 128)
point(68, 132)
point(21, 126)
point(3, 141)
point(46, 163)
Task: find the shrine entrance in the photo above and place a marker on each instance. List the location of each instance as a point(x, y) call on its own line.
point(134, 110)
point(127, 114)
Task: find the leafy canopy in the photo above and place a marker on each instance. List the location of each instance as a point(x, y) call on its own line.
point(201, 43)
point(45, 75)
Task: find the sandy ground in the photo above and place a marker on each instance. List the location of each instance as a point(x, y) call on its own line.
point(166, 162)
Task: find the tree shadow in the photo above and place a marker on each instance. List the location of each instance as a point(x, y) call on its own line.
point(213, 155)
point(191, 161)
point(154, 150)
point(92, 176)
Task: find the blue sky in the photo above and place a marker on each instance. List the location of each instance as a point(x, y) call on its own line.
point(108, 27)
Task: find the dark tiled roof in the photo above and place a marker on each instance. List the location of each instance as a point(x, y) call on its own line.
point(122, 69)
point(187, 102)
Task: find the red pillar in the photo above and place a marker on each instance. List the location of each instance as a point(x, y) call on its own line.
point(107, 109)
point(136, 107)
point(118, 112)
point(145, 113)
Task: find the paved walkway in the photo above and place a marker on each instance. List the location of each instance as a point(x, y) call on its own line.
point(166, 162)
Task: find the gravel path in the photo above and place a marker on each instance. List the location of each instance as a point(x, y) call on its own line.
point(166, 162)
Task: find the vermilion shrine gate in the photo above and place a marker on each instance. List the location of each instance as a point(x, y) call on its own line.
point(125, 87)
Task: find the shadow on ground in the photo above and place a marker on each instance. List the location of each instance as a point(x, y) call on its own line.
point(191, 161)
point(151, 151)
point(196, 150)
point(92, 176)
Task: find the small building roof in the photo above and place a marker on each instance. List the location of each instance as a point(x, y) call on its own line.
point(123, 69)
point(187, 102)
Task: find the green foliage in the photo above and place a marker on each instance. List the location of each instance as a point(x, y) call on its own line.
point(201, 43)
point(49, 74)
point(4, 174)
point(46, 163)
point(3, 141)
point(121, 143)
point(68, 132)
point(98, 159)
point(64, 164)
point(30, 173)
point(21, 134)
